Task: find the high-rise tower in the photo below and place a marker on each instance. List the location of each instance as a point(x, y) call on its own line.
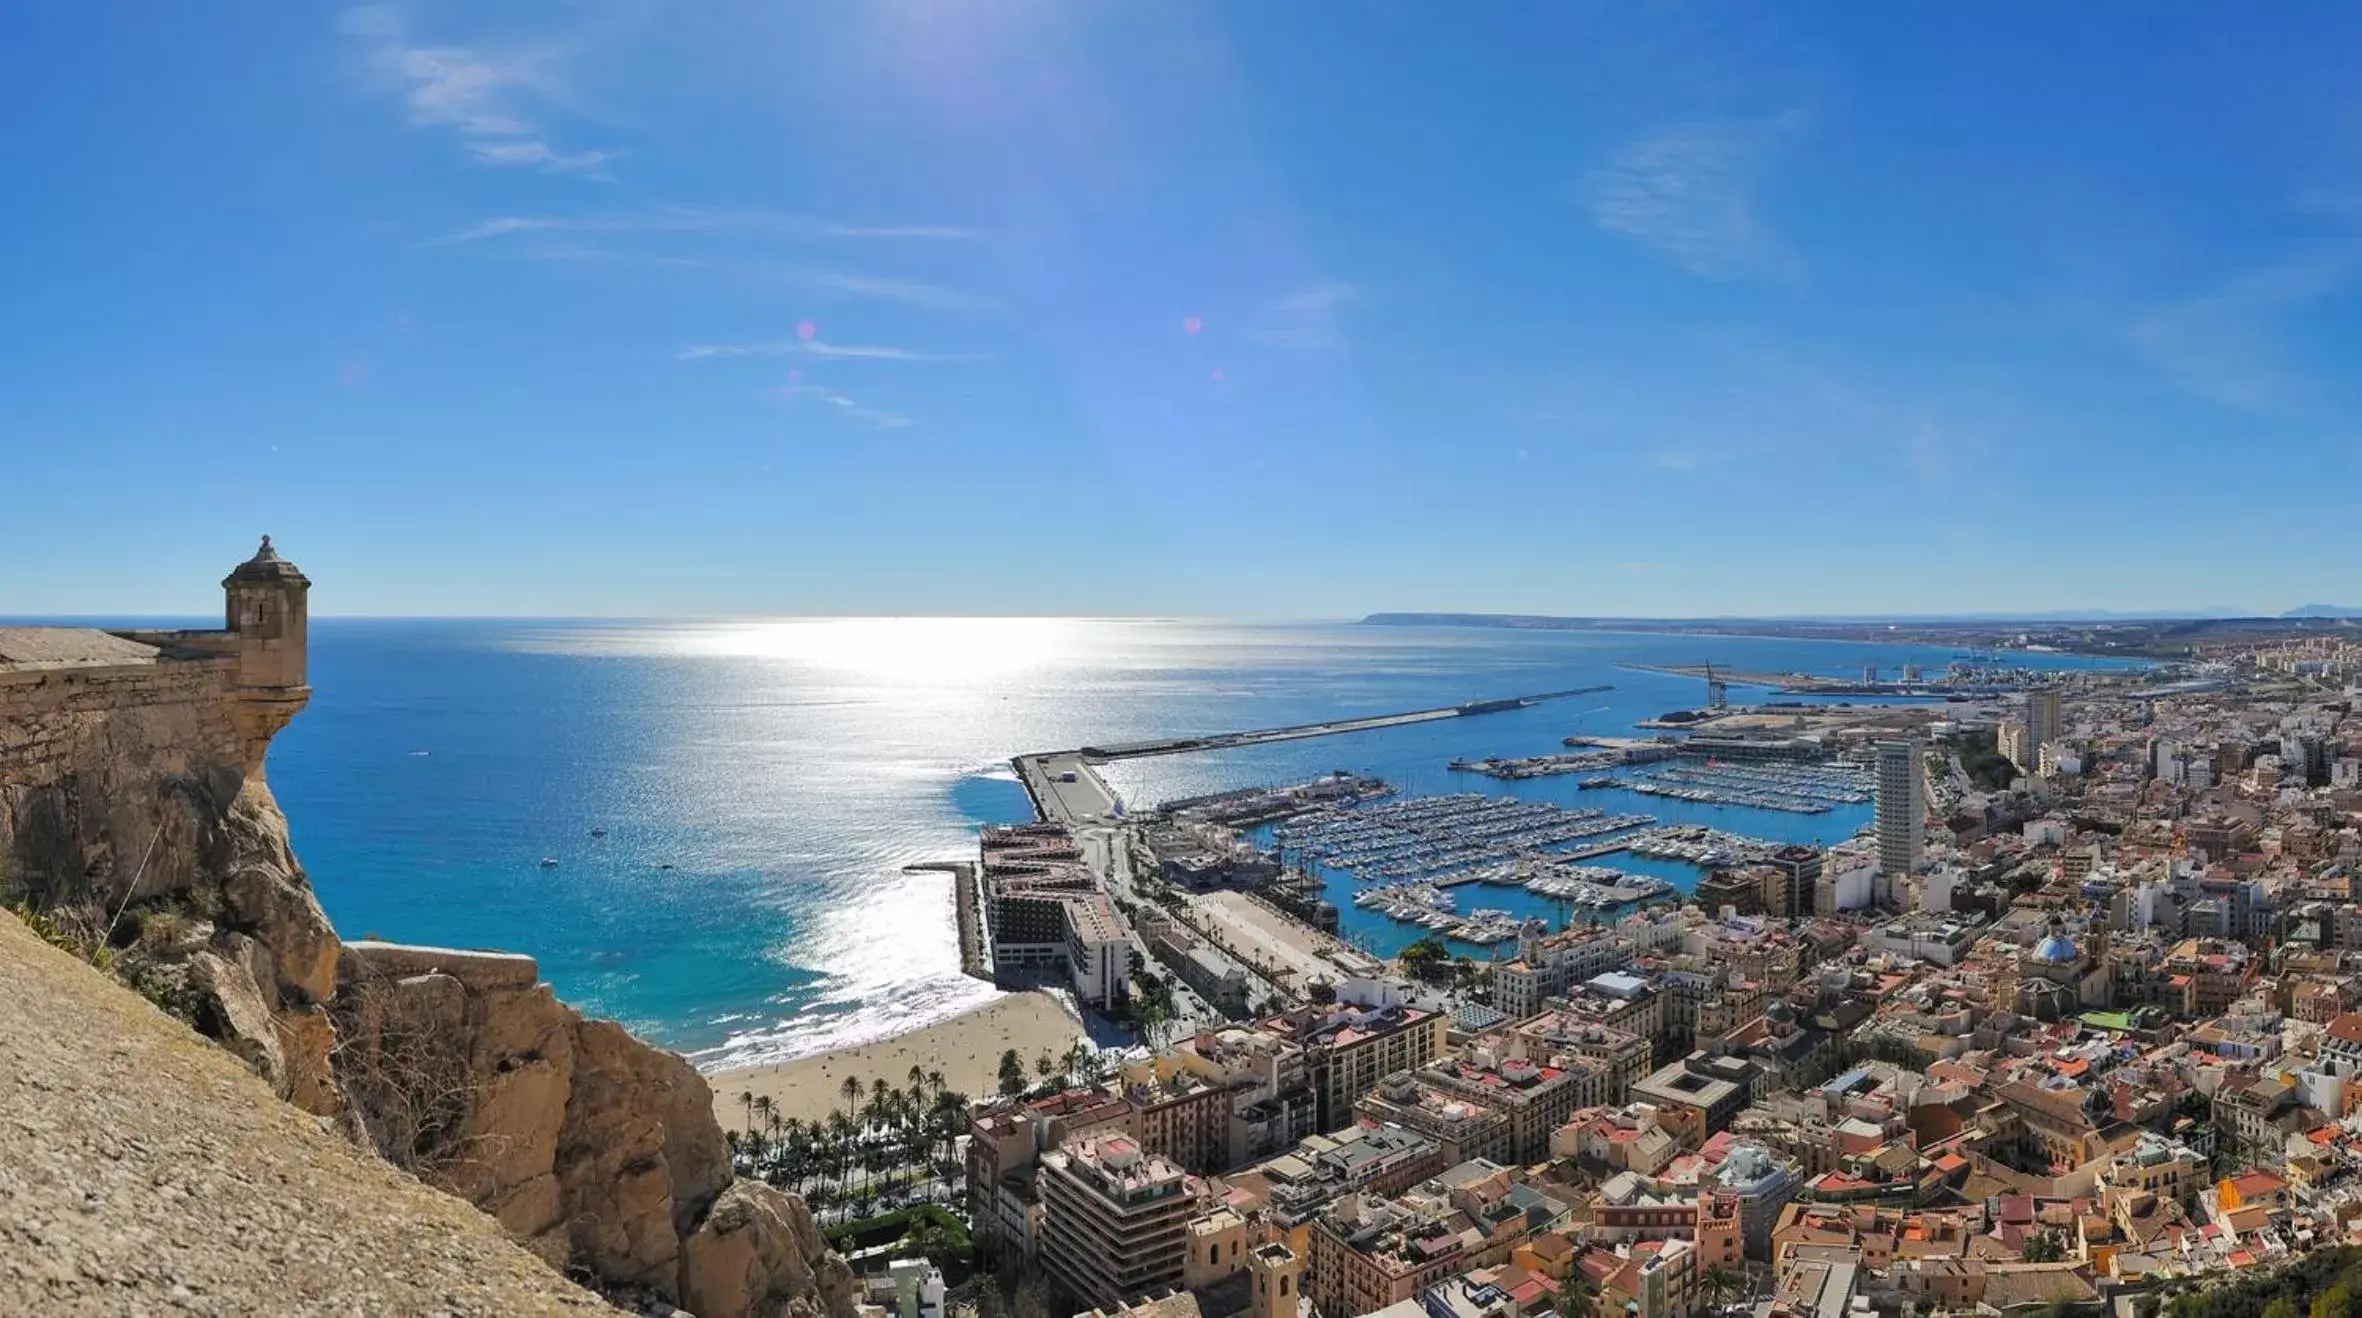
point(1902, 807)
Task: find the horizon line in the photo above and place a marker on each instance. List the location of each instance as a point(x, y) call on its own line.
point(1439, 617)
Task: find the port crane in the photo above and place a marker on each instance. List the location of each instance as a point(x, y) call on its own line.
point(1717, 692)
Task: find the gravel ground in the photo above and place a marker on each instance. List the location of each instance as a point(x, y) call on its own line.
point(144, 1171)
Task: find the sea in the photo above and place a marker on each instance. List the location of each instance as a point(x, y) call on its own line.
point(702, 828)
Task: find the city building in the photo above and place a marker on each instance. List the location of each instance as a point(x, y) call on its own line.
point(1044, 910)
point(1349, 1045)
point(1698, 1095)
point(1378, 1160)
point(1271, 1102)
point(1462, 1129)
point(1902, 806)
point(1115, 1220)
point(918, 1288)
point(1277, 1284)
point(2042, 726)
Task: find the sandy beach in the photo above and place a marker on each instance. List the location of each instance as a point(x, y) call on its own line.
point(966, 1049)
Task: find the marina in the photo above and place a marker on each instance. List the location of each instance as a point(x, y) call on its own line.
point(1804, 789)
point(1428, 838)
point(1706, 848)
point(1415, 852)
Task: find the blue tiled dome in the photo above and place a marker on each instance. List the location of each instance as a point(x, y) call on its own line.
point(2057, 949)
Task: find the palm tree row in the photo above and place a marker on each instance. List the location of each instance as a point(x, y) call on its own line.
point(1080, 1065)
point(875, 1133)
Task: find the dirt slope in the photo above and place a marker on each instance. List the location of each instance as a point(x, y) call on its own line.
point(144, 1170)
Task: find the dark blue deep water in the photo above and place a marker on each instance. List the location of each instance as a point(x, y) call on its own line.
point(762, 784)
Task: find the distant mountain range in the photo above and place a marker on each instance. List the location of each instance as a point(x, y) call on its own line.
point(2323, 611)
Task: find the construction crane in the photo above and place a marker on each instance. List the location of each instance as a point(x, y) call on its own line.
point(1717, 693)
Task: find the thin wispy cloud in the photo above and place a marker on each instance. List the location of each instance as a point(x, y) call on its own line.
point(909, 292)
point(1306, 319)
point(847, 406)
point(1686, 192)
point(696, 220)
point(823, 350)
point(477, 95)
point(517, 151)
point(2227, 344)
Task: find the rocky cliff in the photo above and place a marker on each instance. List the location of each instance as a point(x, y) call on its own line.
point(135, 829)
point(142, 1170)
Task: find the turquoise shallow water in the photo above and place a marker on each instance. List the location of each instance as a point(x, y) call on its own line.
point(762, 784)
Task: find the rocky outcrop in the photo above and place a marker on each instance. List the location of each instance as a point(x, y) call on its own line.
point(162, 841)
point(595, 1150)
point(598, 1153)
point(752, 1255)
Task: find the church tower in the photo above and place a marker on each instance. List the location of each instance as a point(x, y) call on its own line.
point(1278, 1280)
point(267, 609)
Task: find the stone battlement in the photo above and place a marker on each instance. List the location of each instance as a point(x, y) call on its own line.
point(75, 699)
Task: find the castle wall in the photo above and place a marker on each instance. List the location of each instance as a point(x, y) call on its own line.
point(128, 719)
point(110, 777)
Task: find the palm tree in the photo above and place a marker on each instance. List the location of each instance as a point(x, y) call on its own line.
point(851, 1089)
point(1044, 1065)
point(840, 1132)
point(767, 1112)
point(791, 1131)
point(747, 1097)
point(1719, 1284)
point(1578, 1299)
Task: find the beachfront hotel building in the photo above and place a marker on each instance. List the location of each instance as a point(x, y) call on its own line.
point(1044, 910)
point(1350, 1045)
point(1098, 949)
point(1115, 1220)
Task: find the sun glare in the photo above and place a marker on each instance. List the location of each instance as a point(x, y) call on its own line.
point(949, 650)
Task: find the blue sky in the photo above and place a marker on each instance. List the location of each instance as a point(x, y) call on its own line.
point(1250, 309)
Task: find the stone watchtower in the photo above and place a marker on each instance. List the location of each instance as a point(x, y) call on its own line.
point(268, 613)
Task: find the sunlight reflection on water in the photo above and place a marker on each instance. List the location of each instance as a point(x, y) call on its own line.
point(762, 783)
